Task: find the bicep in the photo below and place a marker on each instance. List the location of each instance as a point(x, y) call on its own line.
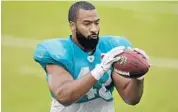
point(57, 76)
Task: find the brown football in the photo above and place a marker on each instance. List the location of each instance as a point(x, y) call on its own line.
point(131, 64)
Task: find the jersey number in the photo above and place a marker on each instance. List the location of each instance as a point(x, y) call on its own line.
point(93, 92)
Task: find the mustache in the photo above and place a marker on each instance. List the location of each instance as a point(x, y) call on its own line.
point(93, 35)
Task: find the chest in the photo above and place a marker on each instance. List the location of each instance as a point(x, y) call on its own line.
point(84, 63)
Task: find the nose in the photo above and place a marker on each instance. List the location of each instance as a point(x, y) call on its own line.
point(94, 28)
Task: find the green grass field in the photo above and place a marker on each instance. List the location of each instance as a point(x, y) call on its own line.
point(152, 26)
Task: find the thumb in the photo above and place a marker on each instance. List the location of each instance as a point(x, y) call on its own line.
point(115, 59)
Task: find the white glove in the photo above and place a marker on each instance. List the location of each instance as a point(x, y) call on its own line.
point(144, 56)
point(106, 63)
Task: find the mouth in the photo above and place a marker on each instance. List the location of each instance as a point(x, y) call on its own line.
point(94, 36)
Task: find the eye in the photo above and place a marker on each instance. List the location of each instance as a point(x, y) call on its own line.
point(97, 23)
point(87, 23)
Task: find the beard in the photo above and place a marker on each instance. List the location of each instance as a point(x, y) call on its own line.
point(88, 43)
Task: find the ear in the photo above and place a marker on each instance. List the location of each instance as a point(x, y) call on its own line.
point(72, 26)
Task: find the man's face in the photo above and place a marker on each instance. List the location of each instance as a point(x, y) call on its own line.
point(87, 28)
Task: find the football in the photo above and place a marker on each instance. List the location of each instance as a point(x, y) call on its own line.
point(131, 64)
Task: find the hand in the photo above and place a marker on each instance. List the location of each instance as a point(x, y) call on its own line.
point(106, 63)
point(139, 51)
point(145, 56)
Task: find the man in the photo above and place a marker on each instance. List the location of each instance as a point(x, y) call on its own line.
point(78, 78)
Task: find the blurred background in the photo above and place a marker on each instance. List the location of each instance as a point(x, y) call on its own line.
point(152, 26)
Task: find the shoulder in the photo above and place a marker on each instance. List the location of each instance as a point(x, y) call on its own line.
point(54, 44)
point(114, 41)
point(52, 48)
point(58, 45)
point(110, 39)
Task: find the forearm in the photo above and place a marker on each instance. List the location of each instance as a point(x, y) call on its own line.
point(71, 91)
point(130, 90)
point(133, 91)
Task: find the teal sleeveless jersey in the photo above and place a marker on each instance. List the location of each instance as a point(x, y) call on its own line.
point(65, 53)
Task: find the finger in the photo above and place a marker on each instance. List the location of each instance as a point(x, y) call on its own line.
point(141, 78)
point(122, 72)
point(116, 59)
point(117, 49)
point(130, 48)
point(141, 52)
point(118, 52)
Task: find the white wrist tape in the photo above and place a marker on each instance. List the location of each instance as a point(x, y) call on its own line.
point(97, 72)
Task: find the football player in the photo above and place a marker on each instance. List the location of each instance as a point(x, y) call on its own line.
point(79, 79)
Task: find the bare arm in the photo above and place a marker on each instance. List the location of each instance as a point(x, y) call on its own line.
point(65, 89)
point(130, 90)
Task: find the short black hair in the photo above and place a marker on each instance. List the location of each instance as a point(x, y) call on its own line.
point(73, 11)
